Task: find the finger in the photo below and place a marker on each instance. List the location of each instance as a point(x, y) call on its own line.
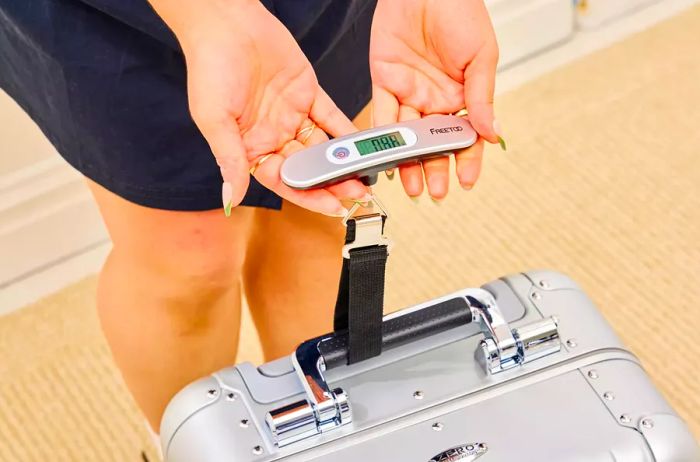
point(316, 136)
point(479, 84)
point(317, 200)
point(468, 164)
point(220, 128)
point(385, 107)
point(227, 146)
point(327, 116)
point(411, 174)
point(437, 176)
point(350, 189)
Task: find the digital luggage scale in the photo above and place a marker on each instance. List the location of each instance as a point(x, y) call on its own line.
point(364, 154)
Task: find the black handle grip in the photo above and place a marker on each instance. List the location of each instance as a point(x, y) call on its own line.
point(403, 329)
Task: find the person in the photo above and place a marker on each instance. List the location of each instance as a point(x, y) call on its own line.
point(137, 97)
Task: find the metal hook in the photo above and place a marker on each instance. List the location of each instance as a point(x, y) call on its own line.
point(374, 200)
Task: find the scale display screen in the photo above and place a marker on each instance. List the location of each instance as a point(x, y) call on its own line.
point(380, 143)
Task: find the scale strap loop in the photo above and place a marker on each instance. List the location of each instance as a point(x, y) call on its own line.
point(360, 303)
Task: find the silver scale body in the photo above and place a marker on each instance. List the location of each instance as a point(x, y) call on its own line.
point(340, 159)
point(504, 387)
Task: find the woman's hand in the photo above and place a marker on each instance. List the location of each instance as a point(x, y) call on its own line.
point(435, 56)
point(251, 90)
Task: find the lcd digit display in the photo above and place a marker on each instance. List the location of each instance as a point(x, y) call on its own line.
point(380, 143)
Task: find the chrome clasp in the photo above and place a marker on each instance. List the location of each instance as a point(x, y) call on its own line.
point(503, 347)
point(323, 409)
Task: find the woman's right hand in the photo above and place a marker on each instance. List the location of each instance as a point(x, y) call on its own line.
point(251, 90)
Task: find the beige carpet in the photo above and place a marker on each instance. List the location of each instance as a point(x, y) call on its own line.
point(601, 181)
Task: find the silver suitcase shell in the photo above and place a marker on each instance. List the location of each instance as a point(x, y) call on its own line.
point(432, 400)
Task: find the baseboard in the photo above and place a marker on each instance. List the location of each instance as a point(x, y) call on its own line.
point(595, 13)
point(46, 216)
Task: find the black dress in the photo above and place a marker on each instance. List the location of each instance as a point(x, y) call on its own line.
point(105, 81)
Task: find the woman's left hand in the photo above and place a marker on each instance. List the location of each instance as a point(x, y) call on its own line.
point(435, 56)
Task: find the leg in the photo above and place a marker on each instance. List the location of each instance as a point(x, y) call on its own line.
point(169, 295)
point(291, 276)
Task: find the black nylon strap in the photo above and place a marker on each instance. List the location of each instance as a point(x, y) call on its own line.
point(360, 303)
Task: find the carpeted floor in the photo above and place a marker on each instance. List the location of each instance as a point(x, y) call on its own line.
point(601, 181)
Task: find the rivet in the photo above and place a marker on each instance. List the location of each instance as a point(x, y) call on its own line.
point(257, 450)
point(593, 374)
point(647, 423)
point(212, 392)
point(244, 423)
point(470, 447)
point(536, 296)
point(571, 343)
point(418, 394)
point(608, 395)
point(231, 397)
point(624, 418)
point(437, 426)
point(544, 284)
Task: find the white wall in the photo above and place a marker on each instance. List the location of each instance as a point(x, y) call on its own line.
point(21, 142)
point(46, 212)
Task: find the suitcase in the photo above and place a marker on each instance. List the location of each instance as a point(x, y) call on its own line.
point(523, 369)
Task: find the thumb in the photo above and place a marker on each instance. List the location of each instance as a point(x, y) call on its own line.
point(479, 83)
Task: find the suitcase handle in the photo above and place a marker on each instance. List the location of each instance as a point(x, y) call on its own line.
point(400, 330)
point(325, 408)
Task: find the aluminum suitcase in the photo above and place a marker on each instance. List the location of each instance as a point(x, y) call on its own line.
point(524, 369)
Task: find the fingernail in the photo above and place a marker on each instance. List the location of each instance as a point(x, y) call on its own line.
point(467, 186)
point(502, 142)
point(499, 132)
point(341, 212)
point(436, 201)
point(361, 203)
point(390, 174)
point(436, 186)
point(226, 196)
point(414, 198)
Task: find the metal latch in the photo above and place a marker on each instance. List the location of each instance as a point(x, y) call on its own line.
point(502, 347)
point(322, 410)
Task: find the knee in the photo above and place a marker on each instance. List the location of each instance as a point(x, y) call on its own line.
point(190, 283)
point(197, 277)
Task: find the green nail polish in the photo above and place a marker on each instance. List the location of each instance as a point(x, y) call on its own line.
point(414, 198)
point(436, 201)
point(227, 209)
point(502, 142)
point(390, 174)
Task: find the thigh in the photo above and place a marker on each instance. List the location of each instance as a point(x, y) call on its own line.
point(196, 243)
